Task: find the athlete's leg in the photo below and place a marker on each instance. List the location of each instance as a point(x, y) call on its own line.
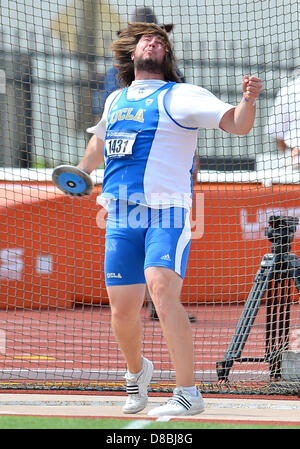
point(125, 283)
point(165, 288)
point(126, 302)
point(167, 249)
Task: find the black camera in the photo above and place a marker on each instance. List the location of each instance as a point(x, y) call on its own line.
point(281, 231)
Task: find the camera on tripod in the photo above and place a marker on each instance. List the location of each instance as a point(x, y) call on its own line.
point(274, 279)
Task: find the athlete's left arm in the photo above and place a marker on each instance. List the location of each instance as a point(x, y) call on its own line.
point(240, 120)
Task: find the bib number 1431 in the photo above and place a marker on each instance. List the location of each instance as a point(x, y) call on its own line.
point(119, 144)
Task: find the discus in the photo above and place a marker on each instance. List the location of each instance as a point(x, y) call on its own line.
point(72, 181)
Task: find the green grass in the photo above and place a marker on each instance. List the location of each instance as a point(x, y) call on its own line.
point(38, 422)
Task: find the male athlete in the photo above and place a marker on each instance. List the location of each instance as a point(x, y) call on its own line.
point(147, 137)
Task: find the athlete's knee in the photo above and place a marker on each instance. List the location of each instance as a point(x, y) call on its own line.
point(126, 301)
point(163, 282)
point(159, 291)
point(163, 294)
point(124, 314)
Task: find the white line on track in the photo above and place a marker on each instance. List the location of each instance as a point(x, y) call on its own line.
point(142, 423)
point(138, 424)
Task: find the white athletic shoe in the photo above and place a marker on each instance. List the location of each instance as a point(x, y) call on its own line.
point(137, 388)
point(181, 404)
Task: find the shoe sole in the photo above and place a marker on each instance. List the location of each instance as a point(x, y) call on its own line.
point(184, 413)
point(174, 414)
point(128, 411)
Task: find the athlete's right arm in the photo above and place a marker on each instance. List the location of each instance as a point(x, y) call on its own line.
point(93, 156)
point(94, 153)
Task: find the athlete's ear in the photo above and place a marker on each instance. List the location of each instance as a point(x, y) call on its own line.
point(132, 56)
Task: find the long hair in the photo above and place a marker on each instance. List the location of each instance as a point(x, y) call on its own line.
point(125, 45)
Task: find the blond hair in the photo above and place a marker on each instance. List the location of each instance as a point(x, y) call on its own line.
point(126, 44)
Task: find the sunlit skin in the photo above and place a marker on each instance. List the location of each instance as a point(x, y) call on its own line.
point(149, 48)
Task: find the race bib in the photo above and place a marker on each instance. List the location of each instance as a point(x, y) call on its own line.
point(119, 143)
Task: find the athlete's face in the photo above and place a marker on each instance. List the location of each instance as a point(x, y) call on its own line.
point(149, 53)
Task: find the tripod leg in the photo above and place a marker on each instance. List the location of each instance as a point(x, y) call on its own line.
point(283, 325)
point(284, 314)
point(294, 269)
point(280, 325)
point(278, 316)
point(234, 351)
point(268, 318)
point(283, 293)
point(287, 314)
point(273, 354)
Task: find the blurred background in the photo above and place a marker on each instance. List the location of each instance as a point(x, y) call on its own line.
point(54, 55)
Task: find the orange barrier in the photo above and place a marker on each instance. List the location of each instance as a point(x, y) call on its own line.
point(224, 262)
point(51, 250)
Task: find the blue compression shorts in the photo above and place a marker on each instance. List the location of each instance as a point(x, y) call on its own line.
point(138, 237)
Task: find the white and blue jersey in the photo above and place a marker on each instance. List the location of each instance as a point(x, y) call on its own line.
point(143, 144)
point(150, 131)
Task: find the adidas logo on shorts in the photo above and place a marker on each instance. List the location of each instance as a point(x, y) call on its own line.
point(166, 257)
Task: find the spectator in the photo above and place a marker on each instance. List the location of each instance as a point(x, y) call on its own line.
point(284, 122)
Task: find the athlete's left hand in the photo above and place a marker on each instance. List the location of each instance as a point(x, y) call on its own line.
point(251, 87)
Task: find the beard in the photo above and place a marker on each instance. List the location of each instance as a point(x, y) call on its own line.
point(149, 65)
